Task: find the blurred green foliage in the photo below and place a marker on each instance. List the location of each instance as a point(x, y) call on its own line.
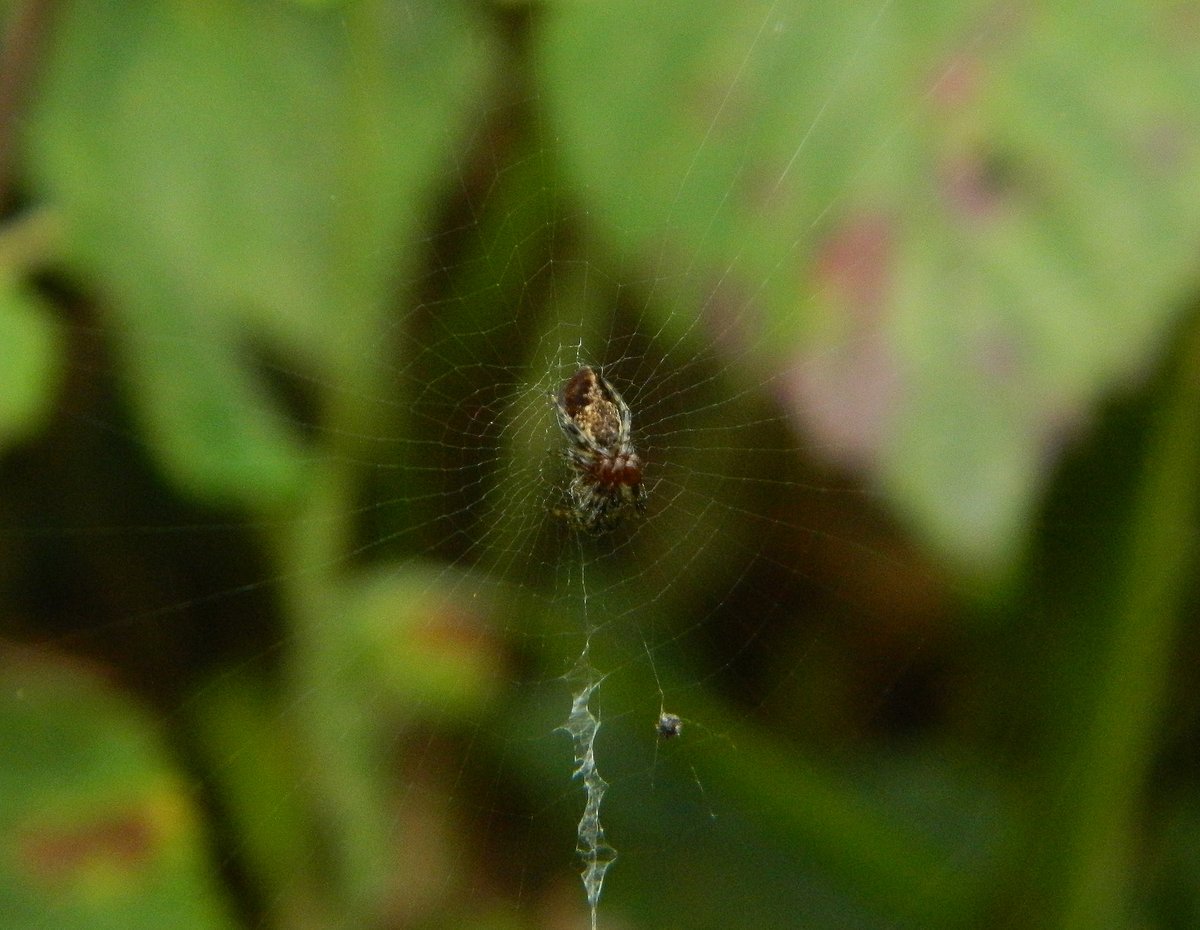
point(282, 296)
point(98, 830)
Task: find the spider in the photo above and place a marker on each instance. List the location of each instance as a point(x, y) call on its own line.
point(669, 725)
point(608, 473)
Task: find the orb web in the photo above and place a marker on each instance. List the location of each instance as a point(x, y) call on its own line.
point(424, 667)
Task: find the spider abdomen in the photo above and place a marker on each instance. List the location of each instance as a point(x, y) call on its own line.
point(613, 471)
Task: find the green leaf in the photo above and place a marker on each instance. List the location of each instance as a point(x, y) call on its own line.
point(428, 637)
point(237, 174)
point(30, 362)
point(946, 228)
point(96, 828)
point(210, 420)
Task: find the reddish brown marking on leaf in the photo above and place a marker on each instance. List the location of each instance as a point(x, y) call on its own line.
point(977, 186)
point(127, 840)
point(452, 627)
point(48, 669)
point(957, 86)
point(958, 81)
point(846, 397)
point(852, 267)
point(447, 634)
point(846, 392)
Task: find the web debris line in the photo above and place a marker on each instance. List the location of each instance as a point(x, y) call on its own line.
point(583, 726)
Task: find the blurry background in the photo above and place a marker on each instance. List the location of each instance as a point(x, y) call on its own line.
point(902, 298)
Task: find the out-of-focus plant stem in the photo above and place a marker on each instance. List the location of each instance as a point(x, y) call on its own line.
point(1117, 737)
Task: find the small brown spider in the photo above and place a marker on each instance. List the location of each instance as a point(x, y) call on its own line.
point(669, 726)
point(608, 473)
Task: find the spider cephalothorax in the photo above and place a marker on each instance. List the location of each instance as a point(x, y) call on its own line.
point(607, 477)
